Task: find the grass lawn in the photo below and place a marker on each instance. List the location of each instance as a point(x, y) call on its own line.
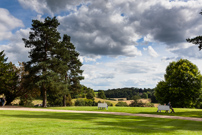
point(149, 110)
point(58, 123)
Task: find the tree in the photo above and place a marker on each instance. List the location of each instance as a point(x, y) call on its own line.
point(197, 40)
point(144, 95)
point(54, 64)
point(101, 94)
point(182, 85)
point(73, 72)
point(43, 39)
point(9, 79)
point(90, 94)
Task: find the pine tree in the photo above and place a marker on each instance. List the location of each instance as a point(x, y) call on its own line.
point(54, 65)
point(73, 73)
point(43, 39)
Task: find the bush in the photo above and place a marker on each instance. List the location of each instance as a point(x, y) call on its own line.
point(85, 102)
point(109, 103)
point(26, 100)
point(88, 102)
point(90, 96)
point(68, 100)
point(121, 104)
point(79, 102)
point(149, 105)
point(137, 104)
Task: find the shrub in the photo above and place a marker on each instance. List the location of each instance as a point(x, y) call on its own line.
point(121, 104)
point(88, 102)
point(85, 102)
point(79, 102)
point(68, 100)
point(26, 100)
point(109, 103)
point(149, 105)
point(137, 104)
point(90, 96)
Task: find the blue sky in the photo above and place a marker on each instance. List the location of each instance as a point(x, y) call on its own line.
point(122, 43)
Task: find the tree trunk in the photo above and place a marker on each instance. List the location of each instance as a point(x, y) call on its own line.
point(64, 97)
point(64, 100)
point(44, 96)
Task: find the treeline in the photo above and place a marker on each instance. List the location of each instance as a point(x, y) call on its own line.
point(129, 93)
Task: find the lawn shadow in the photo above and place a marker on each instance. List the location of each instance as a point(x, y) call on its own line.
point(195, 114)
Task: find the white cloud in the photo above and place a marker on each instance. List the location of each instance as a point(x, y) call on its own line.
point(7, 24)
point(50, 6)
point(15, 50)
point(108, 27)
point(152, 52)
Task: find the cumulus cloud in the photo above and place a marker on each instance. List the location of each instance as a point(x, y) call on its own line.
point(7, 24)
point(113, 27)
point(15, 50)
point(192, 52)
point(135, 67)
point(50, 6)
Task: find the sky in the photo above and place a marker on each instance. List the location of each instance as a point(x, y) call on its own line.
point(122, 43)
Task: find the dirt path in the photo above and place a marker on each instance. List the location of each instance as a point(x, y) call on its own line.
point(113, 113)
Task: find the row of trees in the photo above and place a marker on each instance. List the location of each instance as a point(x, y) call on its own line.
point(52, 71)
point(129, 93)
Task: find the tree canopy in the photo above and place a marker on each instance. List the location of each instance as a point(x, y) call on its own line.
point(54, 65)
point(9, 79)
point(182, 85)
point(196, 40)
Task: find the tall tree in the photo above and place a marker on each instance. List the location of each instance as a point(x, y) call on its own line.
point(101, 94)
point(54, 65)
point(74, 72)
point(43, 39)
point(182, 85)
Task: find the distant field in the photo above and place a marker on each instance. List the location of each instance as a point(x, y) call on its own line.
point(58, 123)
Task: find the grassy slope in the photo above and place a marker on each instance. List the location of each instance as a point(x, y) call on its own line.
point(55, 123)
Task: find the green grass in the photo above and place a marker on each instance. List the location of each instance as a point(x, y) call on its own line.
point(148, 110)
point(58, 123)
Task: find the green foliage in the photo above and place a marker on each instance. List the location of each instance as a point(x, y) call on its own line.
point(85, 102)
point(9, 79)
point(121, 104)
point(149, 105)
point(182, 85)
point(68, 100)
point(109, 103)
point(54, 64)
point(90, 95)
point(144, 95)
point(87, 92)
point(79, 102)
point(136, 103)
point(101, 94)
point(26, 100)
